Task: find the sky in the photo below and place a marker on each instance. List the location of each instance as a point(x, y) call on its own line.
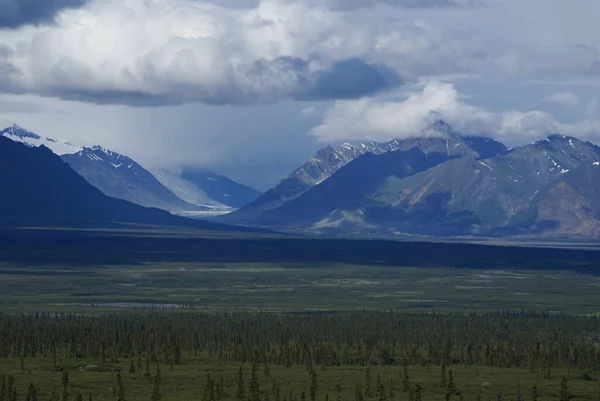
point(252, 88)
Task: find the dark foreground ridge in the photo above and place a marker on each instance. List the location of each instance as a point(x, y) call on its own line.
point(71, 247)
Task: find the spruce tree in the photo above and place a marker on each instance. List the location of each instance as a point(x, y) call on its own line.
point(564, 389)
point(313, 386)
point(254, 386)
point(418, 392)
point(443, 380)
point(240, 393)
point(405, 379)
point(451, 386)
point(156, 394)
point(119, 387)
point(381, 395)
point(358, 394)
point(31, 393)
point(64, 380)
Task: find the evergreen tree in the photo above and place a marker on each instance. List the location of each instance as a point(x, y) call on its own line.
point(381, 394)
point(240, 393)
point(564, 389)
point(31, 393)
point(119, 387)
point(254, 386)
point(443, 380)
point(156, 394)
point(451, 386)
point(64, 380)
point(158, 374)
point(358, 394)
point(405, 379)
point(3, 389)
point(207, 388)
point(418, 392)
point(147, 373)
point(313, 386)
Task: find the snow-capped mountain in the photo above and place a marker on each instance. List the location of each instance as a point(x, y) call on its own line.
point(31, 139)
point(327, 161)
point(445, 185)
point(45, 191)
point(121, 177)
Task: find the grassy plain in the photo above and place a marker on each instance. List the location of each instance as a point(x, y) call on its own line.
point(284, 287)
point(186, 381)
point(107, 272)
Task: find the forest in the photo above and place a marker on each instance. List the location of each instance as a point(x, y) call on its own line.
point(241, 356)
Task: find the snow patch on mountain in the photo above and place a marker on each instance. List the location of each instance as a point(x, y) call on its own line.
point(28, 138)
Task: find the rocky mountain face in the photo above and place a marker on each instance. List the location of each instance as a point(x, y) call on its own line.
point(448, 185)
point(40, 189)
point(121, 177)
point(329, 160)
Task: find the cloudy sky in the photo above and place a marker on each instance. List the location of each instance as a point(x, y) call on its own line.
point(252, 88)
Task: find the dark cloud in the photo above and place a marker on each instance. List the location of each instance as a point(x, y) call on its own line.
point(264, 82)
point(346, 79)
point(352, 79)
point(15, 13)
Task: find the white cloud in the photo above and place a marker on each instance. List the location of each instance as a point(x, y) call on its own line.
point(153, 51)
point(308, 111)
point(565, 98)
point(380, 119)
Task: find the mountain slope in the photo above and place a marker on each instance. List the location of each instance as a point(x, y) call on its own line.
point(120, 177)
point(220, 188)
point(347, 189)
point(448, 185)
point(519, 191)
point(38, 188)
point(329, 160)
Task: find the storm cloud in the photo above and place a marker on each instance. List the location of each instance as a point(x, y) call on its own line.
point(337, 69)
point(15, 13)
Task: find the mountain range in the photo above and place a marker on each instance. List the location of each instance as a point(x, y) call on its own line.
point(445, 184)
point(448, 184)
point(119, 176)
point(40, 189)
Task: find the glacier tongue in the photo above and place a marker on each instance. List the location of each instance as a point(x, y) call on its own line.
point(187, 191)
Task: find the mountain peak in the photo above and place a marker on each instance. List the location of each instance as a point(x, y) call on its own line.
point(19, 132)
point(442, 127)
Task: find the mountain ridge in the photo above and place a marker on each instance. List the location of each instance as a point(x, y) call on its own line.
point(105, 169)
point(43, 190)
point(477, 186)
